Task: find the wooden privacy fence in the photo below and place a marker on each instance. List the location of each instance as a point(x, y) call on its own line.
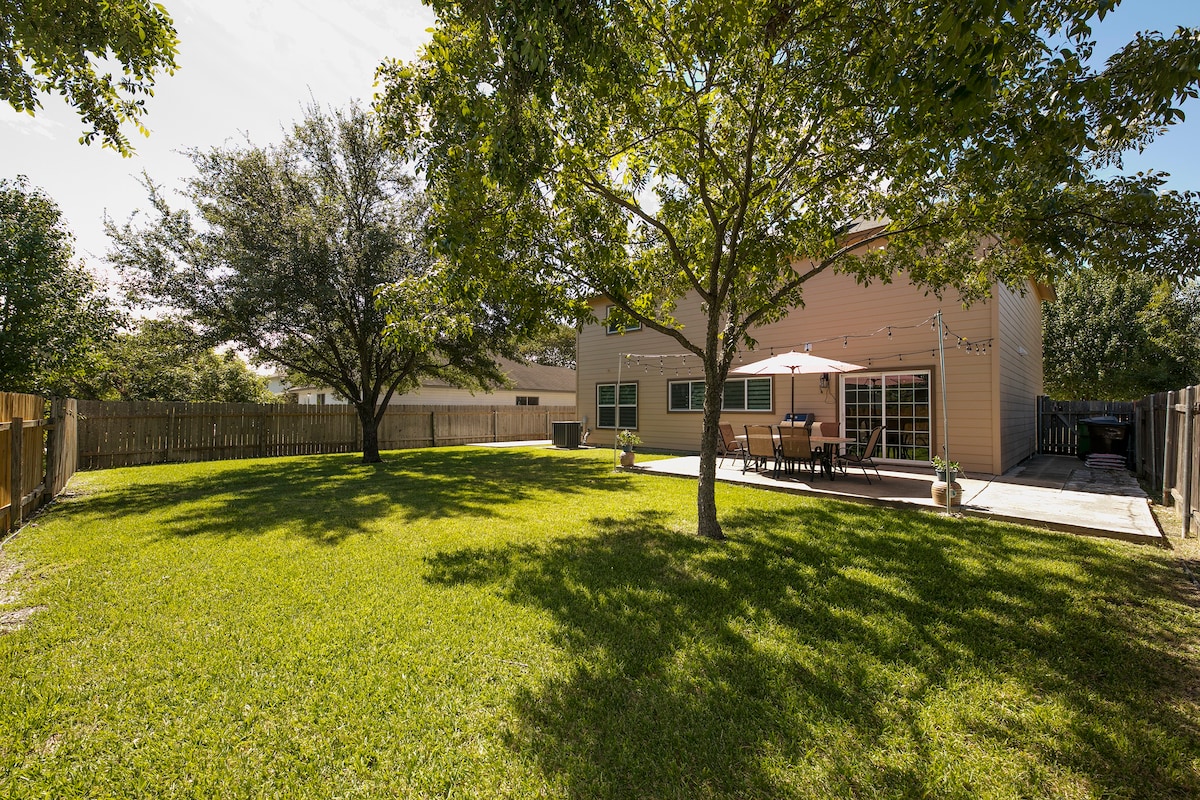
point(117, 434)
point(38, 453)
point(1181, 453)
point(1058, 421)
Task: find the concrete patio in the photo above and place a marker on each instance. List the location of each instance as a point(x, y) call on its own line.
point(1055, 492)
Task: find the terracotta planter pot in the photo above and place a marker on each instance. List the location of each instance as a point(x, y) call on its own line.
point(627, 458)
point(938, 492)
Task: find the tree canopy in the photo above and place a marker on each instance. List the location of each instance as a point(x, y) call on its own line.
point(165, 359)
point(64, 47)
point(717, 152)
point(552, 347)
point(285, 252)
point(54, 316)
point(1112, 337)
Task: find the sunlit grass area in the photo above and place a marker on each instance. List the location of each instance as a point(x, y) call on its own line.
point(529, 623)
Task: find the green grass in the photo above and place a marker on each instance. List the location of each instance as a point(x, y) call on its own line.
point(528, 623)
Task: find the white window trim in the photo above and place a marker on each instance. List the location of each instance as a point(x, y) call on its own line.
point(608, 328)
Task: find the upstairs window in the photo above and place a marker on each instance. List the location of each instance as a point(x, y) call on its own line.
point(616, 327)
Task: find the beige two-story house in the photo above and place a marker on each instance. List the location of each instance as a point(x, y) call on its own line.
point(642, 380)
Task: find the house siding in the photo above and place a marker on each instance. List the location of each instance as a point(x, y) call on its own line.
point(1019, 377)
point(835, 306)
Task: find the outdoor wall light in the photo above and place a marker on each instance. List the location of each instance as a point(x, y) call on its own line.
point(824, 382)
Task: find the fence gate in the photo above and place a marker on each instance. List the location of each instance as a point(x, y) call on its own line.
point(1058, 421)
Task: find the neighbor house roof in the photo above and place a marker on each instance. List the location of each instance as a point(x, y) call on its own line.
point(528, 377)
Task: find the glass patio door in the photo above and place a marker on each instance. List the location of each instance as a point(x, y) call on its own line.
point(897, 400)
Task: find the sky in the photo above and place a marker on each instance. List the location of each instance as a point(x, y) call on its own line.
point(249, 67)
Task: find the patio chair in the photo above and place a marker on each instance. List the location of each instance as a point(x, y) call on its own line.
point(861, 457)
point(795, 448)
point(728, 444)
point(760, 446)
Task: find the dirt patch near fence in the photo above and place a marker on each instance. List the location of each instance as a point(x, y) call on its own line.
point(15, 619)
point(8, 570)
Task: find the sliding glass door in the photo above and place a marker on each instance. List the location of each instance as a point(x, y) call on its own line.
point(897, 400)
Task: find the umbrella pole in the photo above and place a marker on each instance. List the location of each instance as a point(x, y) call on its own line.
point(793, 396)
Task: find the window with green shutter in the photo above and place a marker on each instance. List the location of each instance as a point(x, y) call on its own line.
point(685, 396)
point(758, 394)
point(608, 410)
point(748, 394)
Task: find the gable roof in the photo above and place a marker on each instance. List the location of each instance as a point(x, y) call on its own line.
point(528, 377)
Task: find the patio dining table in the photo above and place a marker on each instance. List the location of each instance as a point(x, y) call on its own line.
point(828, 444)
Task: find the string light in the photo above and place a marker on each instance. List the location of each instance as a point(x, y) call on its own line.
point(979, 347)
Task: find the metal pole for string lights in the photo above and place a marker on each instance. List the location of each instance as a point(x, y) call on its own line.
point(617, 407)
point(945, 415)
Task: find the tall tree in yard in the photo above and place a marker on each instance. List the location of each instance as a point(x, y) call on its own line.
point(286, 252)
point(720, 151)
point(55, 319)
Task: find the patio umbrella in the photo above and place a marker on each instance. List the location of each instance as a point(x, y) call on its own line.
point(791, 363)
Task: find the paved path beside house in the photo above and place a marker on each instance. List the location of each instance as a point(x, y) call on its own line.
point(1056, 492)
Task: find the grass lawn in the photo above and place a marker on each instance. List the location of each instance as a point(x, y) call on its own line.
point(528, 623)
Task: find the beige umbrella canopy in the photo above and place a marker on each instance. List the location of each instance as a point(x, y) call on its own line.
point(793, 363)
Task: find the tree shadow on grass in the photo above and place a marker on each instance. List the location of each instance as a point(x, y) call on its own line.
point(836, 650)
point(327, 498)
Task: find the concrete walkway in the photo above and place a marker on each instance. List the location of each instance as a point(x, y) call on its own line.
point(1056, 492)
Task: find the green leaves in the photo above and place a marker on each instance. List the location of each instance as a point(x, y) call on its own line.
point(61, 47)
point(54, 317)
point(1109, 337)
point(165, 359)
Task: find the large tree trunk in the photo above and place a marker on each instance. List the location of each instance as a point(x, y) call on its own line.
point(707, 524)
point(370, 434)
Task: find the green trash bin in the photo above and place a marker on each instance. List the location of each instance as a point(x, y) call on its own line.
point(1083, 440)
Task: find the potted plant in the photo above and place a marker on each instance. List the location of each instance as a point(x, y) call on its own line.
point(946, 471)
point(945, 490)
point(626, 440)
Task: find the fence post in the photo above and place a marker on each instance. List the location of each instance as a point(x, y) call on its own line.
point(1169, 449)
point(53, 433)
point(16, 494)
point(1188, 449)
point(433, 429)
point(170, 433)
